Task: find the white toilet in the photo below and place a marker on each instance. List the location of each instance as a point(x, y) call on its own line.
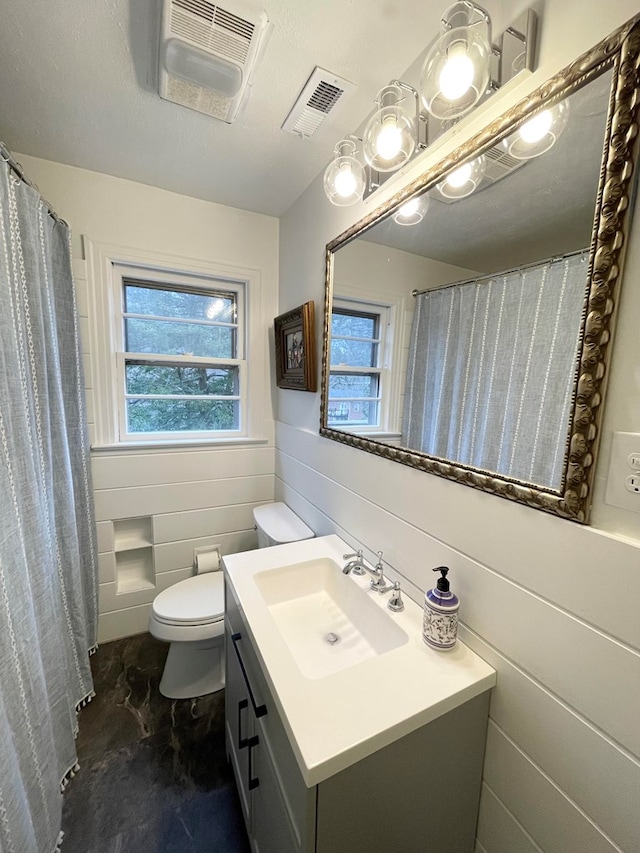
point(190, 614)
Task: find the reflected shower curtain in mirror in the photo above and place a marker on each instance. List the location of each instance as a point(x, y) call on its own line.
point(48, 560)
point(491, 366)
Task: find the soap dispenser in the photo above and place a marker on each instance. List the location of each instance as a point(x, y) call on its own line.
point(440, 624)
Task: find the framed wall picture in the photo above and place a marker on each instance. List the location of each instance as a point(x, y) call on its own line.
point(296, 349)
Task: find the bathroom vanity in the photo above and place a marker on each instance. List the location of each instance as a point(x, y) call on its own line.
point(373, 742)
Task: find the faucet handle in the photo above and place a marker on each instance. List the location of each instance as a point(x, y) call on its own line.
point(395, 602)
point(357, 554)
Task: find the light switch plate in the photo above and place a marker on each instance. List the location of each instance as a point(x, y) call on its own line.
point(625, 451)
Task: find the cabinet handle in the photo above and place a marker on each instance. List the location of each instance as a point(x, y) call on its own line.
point(258, 710)
point(242, 741)
point(253, 782)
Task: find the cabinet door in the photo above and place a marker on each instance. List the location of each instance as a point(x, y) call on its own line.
point(239, 724)
point(272, 831)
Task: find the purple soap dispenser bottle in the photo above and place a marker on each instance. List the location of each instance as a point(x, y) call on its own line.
point(440, 624)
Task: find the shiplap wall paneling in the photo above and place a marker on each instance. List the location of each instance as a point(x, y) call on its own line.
point(113, 471)
point(598, 775)
point(209, 522)
point(549, 557)
point(573, 748)
point(180, 497)
point(498, 830)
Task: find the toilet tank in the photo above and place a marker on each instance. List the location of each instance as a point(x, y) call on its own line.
point(277, 524)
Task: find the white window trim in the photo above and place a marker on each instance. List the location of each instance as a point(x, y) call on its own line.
point(389, 360)
point(103, 261)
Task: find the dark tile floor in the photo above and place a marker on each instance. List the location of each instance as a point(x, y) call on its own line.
point(153, 776)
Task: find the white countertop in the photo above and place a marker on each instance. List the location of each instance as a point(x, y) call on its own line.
point(334, 721)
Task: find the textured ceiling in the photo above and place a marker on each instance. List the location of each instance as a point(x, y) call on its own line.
point(79, 86)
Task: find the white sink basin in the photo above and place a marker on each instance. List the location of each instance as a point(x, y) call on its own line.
point(328, 622)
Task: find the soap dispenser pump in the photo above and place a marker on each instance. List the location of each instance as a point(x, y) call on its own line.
point(440, 624)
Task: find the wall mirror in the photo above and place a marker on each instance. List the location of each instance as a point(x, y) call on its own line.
point(467, 333)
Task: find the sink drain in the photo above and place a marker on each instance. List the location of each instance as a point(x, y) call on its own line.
point(332, 638)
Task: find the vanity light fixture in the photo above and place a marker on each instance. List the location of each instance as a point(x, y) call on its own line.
point(462, 67)
point(540, 133)
point(464, 180)
point(456, 70)
point(344, 178)
point(389, 138)
point(464, 64)
point(412, 212)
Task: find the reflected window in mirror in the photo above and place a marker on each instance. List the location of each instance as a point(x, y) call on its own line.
point(361, 393)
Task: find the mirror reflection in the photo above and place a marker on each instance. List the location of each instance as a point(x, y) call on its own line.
point(456, 320)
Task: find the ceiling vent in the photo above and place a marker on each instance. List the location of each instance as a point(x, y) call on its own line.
point(319, 97)
point(207, 54)
point(498, 164)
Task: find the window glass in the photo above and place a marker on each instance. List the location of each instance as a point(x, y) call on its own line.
point(163, 336)
point(183, 383)
point(354, 380)
point(144, 378)
point(162, 302)
point(153, 416)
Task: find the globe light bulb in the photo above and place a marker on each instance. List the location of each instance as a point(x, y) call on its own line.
point(460, 177)
point(409, 207)
point(345, 182)
point(536, 128)
point(457, 74)
point(389, 140)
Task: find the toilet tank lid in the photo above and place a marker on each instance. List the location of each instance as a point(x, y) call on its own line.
point(280, 523)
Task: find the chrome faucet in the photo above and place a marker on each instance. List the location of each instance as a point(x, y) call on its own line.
point(356, 566)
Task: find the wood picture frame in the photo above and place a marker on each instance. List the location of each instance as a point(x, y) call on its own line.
point(295, 346)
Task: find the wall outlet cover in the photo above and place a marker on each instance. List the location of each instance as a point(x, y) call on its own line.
point(623, 483)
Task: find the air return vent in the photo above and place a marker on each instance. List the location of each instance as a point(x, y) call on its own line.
point(498, 164)
point(207, 54)
point(319, 97)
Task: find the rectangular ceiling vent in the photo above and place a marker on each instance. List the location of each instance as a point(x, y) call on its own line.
point(208, 52)
point(499, 164)
point(318, 98)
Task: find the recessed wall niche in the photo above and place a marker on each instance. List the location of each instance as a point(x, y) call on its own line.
point(133, 547)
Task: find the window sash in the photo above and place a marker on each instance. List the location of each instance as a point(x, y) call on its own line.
point(184, 283)
point(379, 314)
point(123, 359)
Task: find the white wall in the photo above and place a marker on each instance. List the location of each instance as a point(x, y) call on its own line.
point(553, 605)
point(198, 496)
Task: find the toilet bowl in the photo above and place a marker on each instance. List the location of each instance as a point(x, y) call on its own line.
point(190, 614)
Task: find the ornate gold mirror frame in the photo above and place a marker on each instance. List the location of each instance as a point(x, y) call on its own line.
point(621, 53)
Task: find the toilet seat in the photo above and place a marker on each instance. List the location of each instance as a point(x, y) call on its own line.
point(193, 602)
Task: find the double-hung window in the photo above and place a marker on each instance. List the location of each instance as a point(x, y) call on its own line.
point(180, 355)
point(357, 380)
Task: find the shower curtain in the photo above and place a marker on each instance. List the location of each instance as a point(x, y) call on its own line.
point(48, 555)
point(491, 364)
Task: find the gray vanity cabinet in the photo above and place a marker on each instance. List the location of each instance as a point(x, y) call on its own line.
point(279, 809)
point(419, 794)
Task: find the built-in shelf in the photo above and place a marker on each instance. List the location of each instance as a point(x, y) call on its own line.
point(133, 547)
point(131, 533)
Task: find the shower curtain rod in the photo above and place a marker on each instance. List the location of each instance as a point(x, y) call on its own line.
point(552, 260)
point(16, 168)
